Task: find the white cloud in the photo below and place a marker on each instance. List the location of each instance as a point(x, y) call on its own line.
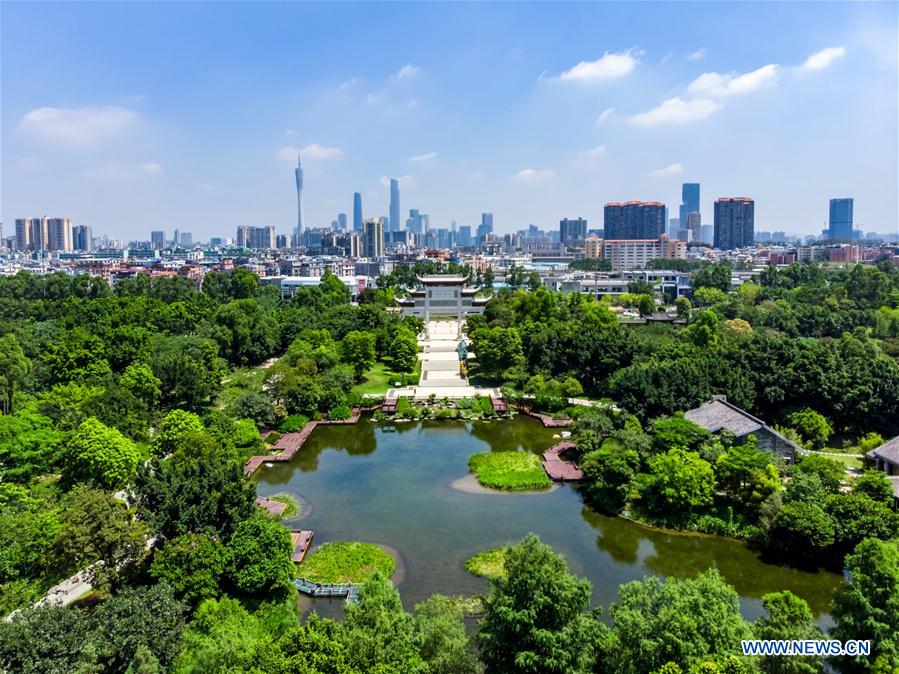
point(372, 98)
point(727, 84)
point(671, 170)
point(676, 111)
point(425, 158)
point(290, 133)
point(407, 71)
point(821, 59)
point(530, 175)
point(78, 125)
point(413, 103)
point(596, 152)
point(348, 84)
point(313, 151)
point(604, 116)
point(206, 187)
point(151, 167)
point(405, 180)
point(697, 55)
point(609, 66)
point(316, 151)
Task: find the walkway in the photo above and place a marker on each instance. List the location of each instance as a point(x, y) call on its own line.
point(440, 375)
point(301, 540)
point(558, 468)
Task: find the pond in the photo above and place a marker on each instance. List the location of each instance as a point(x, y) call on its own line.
point(392, 484)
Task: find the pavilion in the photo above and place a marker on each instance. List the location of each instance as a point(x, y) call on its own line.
point(442, 295)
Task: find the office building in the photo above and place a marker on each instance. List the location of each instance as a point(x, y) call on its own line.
point(394, 223)
point(707, 234)
point(690, 207)
point(82, 238)
point(341, 222)
point(373, 237)
point(634, 220)
point(298, 174)
point(157, 239)
point(840, 223)
point(186, 240)
point(463, 237)
point(281, 241)
point(357, 212)
point(734, 222)
point(628, 254)
point(261, 238)
point(572, 230)
point(673, 226)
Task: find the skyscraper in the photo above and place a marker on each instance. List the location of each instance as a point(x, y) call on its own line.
point(157, 239)
point(341, 221)
point(82, 238)
point(690, 204)
point(486, 226)
point(840, 223)
point(395, 205)
point(734, 222)
point(44, 234)
point(572, 230)
point(357, 212)
point(373, 237)
point(634, 220)
point(298, 173)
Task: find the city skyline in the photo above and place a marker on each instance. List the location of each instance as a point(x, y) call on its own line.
point(523, 125)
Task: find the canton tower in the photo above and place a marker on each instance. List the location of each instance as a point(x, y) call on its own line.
point(298, 172)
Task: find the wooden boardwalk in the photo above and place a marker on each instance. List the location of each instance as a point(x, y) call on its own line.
point(301, 540)
point(558, 468)
point(545, 419)
point(272, 507)
point(289, 444)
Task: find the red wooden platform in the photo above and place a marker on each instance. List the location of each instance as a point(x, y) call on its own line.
point(273, 507)
point(552, 454)
point(563, 471)
point(301, 540)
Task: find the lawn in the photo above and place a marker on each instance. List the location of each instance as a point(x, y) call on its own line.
point(509, 470)
point(346, 562)
point(380, 377)
point(488, 564)
point(293, 506)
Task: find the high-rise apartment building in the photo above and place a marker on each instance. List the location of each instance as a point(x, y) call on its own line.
point(572, 230)
point(593, 248)
point(634, 220)
point(373, 237)
point(690, 207)
point(734, 222)
point(186, 240)
point(395, 222)
point(44, 234)
point(628, 254)
point(262, 238)
point(82, 238)
point(840, 222)
point(357, 212)
point(157, 239)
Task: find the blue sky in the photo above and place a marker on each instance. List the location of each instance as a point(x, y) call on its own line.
point(131, 116)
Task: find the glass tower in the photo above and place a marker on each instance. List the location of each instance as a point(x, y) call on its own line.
point(840, 224)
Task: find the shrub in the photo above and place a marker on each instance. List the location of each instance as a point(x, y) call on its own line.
point(489, 564)
point(509, 470)
point(293, 423)
point(339, 413)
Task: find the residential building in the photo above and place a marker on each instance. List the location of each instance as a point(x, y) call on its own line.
point(637, 253)
point(44, 234)
point(157, 239)
point(82, 238)
point(634, 220)
point(373, 237)
point(572, 230)
point(840, 222)
point(260, 238)
point(593, 248)
point(186, 240)
point(734, 222)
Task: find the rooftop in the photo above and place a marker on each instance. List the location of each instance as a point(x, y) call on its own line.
point(888, 451)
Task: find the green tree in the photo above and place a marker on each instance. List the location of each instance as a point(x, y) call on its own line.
point(680, 621)
point(713, 276)
point(535, 617)
point(404, 351)
point(867, 606)
point(680, 482)
point(259, 557)
point(801, 531)
point(830, 472)
point(176, 431)
point(99, 532)
point(857, 516)
point(443, 642)
point(608, 473)
point(358, 349)
point(812, 426)
point(192, 564)
point(875, 484)
point(703, 330)
point(204, 493)
point(14, 370)
point(100, 455)
point(30, 445)
point(139, 379)
point(787, 617)
point(684, 308)
point(747, 473)
point(497, 350)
